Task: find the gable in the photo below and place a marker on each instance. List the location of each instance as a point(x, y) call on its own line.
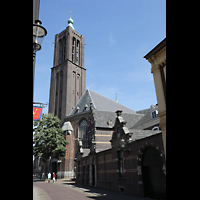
point(99, 103)
point(83, 103)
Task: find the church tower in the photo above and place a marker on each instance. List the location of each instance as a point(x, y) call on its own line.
point(68, 75)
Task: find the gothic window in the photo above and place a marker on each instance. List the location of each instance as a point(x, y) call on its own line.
point(77, 51)
point(56, 100)
point(60, 51)
point(64, 48)
point(73, 49)
point(82, 133)
point(60, 95)
point(121, 163)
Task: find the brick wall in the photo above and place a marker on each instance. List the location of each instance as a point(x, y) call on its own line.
point(108, 171)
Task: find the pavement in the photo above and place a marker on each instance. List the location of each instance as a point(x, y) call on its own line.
point(67, 189)
point(40, 194)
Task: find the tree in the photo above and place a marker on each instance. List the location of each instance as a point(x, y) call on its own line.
point(48, 139)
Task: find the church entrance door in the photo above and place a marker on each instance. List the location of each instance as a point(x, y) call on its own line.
point(153, 176)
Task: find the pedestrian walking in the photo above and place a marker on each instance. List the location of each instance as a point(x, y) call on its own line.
point(54, 176)
point(49, 177)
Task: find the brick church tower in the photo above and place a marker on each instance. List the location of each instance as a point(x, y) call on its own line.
point(68, 75)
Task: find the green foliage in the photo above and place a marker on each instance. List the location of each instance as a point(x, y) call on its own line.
point(48, 138)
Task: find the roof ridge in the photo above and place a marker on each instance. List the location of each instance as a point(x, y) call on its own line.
point(91, 97)
point(114, 102)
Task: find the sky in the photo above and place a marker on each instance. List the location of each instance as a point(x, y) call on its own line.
point(118, 34)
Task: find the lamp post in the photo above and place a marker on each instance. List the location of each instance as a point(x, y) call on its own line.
point(38, 35)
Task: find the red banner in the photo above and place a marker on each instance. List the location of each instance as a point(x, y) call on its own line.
point(37, 113)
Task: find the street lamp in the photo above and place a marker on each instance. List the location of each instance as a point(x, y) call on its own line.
point(38, 35)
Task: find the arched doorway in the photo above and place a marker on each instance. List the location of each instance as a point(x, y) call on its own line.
point(154, 180)
point(53, 166)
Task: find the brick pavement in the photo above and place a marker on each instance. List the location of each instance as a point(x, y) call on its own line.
point(66, 189)
point(58, 192)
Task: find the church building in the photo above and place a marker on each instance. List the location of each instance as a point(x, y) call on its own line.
point(92, 121)
point(89, 114)
point(122, 153)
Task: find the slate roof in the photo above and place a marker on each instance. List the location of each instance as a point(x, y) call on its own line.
point(138, 134)
point(104, 110)
point(147, 121)
point(100, 103)
point(103, 117)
